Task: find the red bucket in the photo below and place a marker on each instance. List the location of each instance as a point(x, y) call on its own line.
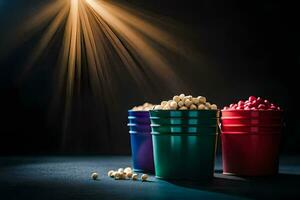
point(251, 129)
point(250, 154)
point(251, 149)
point(257, 114)
point(250, 121)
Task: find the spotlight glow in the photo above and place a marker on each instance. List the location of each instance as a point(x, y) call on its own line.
point(100, 35)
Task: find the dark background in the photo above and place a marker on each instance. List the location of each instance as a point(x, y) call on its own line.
point(247, 48)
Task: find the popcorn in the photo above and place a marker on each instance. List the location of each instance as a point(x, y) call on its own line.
point(193, 107)
point(189, 97)
point(125, 174)
point(182, 102)
point(207, 104)
point(163, 103)
point(183, 108)
point(166, 107)
point(176, 98)
point(173, 105)
point(181, 96)
point(158, 107)
point(201, 107)
point(144, 177)
point(201, 99)
point(117, 176)
point(127, 170)
point(110, 173)
point(134, 177)
point(187, 102)
point(213, 107)
point(145, 107)
point(129, 174)
point(94, 175)
point(195, 101)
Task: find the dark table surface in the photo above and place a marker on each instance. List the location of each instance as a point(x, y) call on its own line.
point(57, 177)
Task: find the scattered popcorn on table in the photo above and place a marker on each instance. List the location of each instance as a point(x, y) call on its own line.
point(120, 170)
point(182, 102)
point(110, 173)
point(117, 176)
point(113, 174)
point(134, 177)
point(127, 169)
point(94, 175)
point(125, 174)
point(144, 177)
point(129, 174)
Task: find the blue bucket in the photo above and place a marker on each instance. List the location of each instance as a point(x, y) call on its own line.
point(142, 151)
point(133, 113)
point(141, 128)
point(138, 120)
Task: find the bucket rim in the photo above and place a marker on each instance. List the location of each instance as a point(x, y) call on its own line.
point(249, 133)
point(250, 118)
point(130, 124)
point(138, 111)
point(183, 111)
point(278, 111)
point(138, 117)
point(182, 126)
point(254, 125)
point(183, 134)
point(182, 118)
point(139, 133)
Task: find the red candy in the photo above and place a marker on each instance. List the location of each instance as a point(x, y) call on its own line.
point(252, 98)
point(241, 103)
point(253, 103)
point(261, 106)
point(247, 108)
point(259, 100)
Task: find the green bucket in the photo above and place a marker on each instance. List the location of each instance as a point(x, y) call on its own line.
point(184, 156)
point(183, 121)
point(202, 114)
point(202, 130)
